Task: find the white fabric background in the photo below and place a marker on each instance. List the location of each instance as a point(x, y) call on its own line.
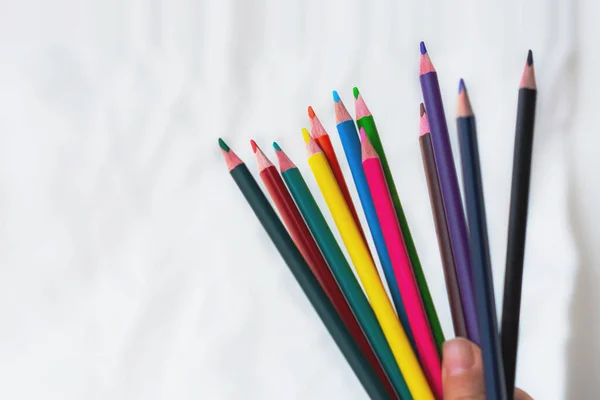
point(133, 269)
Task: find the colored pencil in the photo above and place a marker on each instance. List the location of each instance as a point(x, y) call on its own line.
point(359, 253)
point(341, 270)
point(289, 212)
point(299, 268)
point(441, 227)
point(365, 120)
point(483, 280)
point(303, 239)
point(409, 290)
point(517, 222)
point(321, 136)
point(351, 144)
point(450, 189)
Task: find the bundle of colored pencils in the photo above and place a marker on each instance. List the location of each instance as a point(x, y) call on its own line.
point(394, 344)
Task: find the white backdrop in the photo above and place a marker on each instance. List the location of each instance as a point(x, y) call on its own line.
point(131, 268)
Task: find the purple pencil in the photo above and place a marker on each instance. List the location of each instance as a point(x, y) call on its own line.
point(455, 214)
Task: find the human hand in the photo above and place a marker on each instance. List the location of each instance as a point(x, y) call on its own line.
point(462, 372)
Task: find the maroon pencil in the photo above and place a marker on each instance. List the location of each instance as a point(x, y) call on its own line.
point(441, 226)
point(303, 239)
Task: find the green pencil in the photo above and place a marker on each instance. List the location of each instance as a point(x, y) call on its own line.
point(299, 268)
point(341, 270)
point(364, 119)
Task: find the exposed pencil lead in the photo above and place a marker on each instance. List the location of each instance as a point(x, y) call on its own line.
point(254, 146)
point(422, 109)
point(355, 92)
point(223, 145)
point(311, 112)
point(461, 86)
point(529, 58)
point(336, 96)
point(276, 146)
point(306, 135)
point(423, 48)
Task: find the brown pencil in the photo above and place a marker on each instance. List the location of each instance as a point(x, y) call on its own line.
point(441, 226)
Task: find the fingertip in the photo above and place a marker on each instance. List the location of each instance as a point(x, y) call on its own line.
point(459, 356)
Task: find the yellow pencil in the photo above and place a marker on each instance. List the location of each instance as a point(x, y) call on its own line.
point(367, 272)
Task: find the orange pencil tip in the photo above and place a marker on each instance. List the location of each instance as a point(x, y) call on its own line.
point(311, 112)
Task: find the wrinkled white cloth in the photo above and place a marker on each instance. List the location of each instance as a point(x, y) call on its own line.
point(132, 267)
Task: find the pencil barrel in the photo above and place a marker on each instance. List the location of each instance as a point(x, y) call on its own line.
point(308, 283)
point(377, 349)
point(443, 236)
point(517, 230)
point(481, 261)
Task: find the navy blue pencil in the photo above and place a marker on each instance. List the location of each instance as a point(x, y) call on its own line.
point(485, 305)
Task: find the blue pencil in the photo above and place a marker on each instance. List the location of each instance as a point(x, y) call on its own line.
point(485, 304)
point(351, 143)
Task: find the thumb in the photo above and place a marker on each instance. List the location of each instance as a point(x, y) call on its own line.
point(462, 371)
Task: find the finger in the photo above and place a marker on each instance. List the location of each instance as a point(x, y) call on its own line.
point(521, 395)
point(462, 371)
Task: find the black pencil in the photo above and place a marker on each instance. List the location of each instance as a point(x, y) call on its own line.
point(483, 280)
point(517, 222)
point(441, 227)
point(299, 268)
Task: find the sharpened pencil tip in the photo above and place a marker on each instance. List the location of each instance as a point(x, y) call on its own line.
point(306, 135)
point(276, 146)
point(223, 145)
point(336, 96)
point(461, 85)
point(311, 112)
point(363, 135)
point(422, 109)
point(530, 58)
point(355, 92)
point(254, 146)
point(423, 48)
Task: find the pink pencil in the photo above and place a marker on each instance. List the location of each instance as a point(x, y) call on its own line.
point(409, 291)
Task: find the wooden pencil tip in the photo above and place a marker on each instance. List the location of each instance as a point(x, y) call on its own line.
point(424, 123)
point(363, 135)
point(355, 92)
point(422, 109)
point(528, 78)
point(367, 150)
point(254, 146)
point(223, 145)
point(282, 159)
point(463, 107)
point(311, 112)
point(306, 135)
point(231, 159)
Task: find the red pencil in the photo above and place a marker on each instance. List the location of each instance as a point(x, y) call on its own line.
point(310, 251)
point(321, 136)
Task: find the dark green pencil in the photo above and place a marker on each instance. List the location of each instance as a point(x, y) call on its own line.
point(299, 268)
point(341, 270)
